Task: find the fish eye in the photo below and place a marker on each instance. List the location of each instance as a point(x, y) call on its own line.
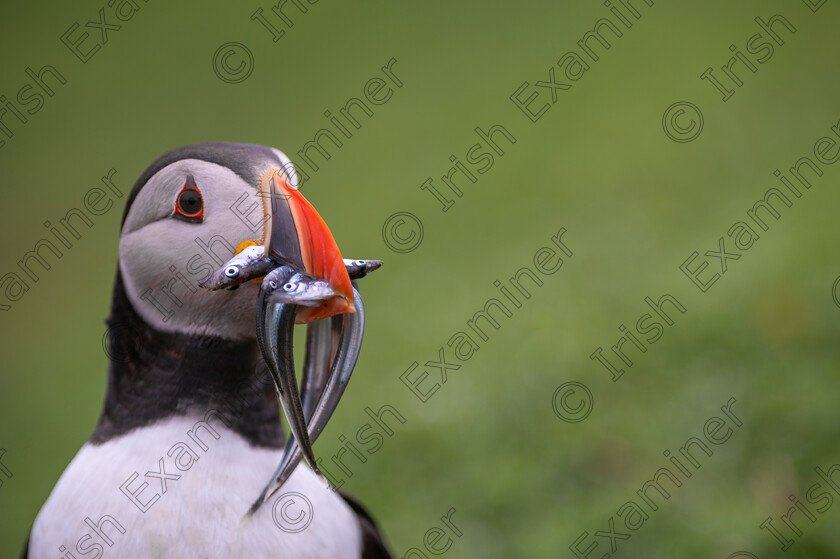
point(272, 284)
point(289, 287)
point(359, 262)
point(231, 271)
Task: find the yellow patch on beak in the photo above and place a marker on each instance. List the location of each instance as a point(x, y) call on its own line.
point(242, 246)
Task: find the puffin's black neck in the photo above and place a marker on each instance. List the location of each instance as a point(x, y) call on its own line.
point(154, 375)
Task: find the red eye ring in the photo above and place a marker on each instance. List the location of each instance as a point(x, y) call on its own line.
point(189, 206)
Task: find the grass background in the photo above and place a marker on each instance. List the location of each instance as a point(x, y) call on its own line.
point(635, 205)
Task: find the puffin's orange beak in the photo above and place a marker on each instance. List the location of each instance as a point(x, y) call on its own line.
point(294, 233)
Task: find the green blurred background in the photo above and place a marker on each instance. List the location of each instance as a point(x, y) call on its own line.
point(635, 204)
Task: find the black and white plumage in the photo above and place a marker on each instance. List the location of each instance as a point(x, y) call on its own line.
point(178, 364)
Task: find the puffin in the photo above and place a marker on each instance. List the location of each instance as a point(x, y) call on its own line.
point(190, 429)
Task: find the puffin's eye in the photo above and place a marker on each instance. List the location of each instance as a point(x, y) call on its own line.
point(189, 202)
point(189, 205)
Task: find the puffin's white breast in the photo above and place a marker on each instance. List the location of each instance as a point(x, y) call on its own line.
point(95, 509)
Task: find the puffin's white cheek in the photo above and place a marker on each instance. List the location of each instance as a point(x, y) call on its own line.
point(161, 273)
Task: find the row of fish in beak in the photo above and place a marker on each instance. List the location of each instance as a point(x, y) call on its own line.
point(332, 347)
point(302, 281)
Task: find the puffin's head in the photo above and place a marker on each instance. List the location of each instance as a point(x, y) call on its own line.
point(188, 214)
point(192, 214)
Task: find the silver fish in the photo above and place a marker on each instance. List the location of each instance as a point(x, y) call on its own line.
point(275, 327)
point(249, 264)
point(252, 263)
point(304, 292)
point(357, 269)
point(341, 337)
